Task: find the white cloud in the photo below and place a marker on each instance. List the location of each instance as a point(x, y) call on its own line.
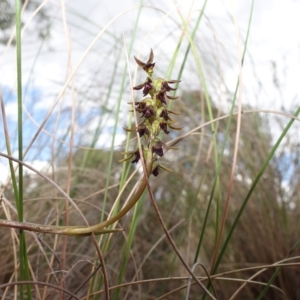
point(11, 111)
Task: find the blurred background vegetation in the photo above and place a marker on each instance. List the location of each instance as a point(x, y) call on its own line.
point(82, 140)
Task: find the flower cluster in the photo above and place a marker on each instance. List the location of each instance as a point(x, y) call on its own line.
point(156, 119)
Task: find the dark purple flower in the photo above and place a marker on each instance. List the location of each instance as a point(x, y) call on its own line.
point(137, 156)
point(166, 87)
point(140, 106)
point(149, 65)
point(147, 88)
point(164, 115)
point(143, 130)
point(157, 167)
point(147, 85)
point(161, 96)
point(164, 127)
point(158, 148)
point(146, 110)
point(155, 171)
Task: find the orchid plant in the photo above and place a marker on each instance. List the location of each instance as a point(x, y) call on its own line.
point(156, 121)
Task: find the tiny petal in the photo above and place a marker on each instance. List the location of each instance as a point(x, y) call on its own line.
point(171, 97)
point(165, 84)
point(129, 156)
point(151, 57)
point(175, 128)
point(139, 87)
point(174, 81)
point(140, 63)
point(165, 168)
point(167, 87)
point(125, 159)
point(173, 112)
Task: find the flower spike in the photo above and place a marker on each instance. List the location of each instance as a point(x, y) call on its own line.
point(155, 115)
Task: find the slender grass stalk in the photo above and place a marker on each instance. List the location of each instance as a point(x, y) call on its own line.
point(20, 104)
point(24, 269)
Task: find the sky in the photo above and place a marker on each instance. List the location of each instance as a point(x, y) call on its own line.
point(271, 70)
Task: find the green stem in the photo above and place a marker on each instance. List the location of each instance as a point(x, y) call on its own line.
point(122, 212)
point(24, 270)
point(87, 230)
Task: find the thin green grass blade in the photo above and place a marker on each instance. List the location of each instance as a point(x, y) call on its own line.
point(24, 270)
point(205, 221)
point(20, 110)
point(262, 294)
